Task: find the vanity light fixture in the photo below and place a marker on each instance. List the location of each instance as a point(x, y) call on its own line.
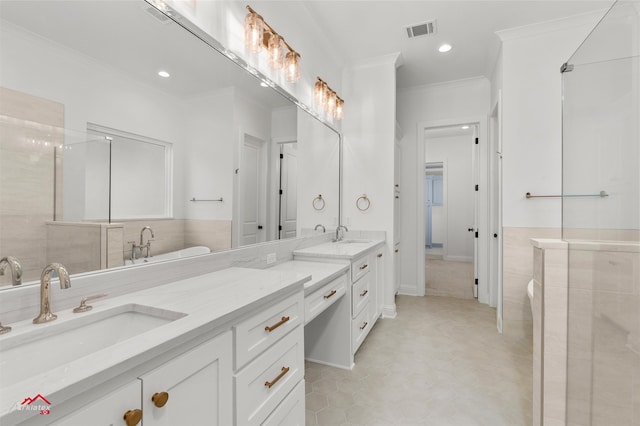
point(259, 35)
point(328, 100)
point(164, 74)
point(445, 48)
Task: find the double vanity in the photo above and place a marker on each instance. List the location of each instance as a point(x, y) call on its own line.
point(226, 347)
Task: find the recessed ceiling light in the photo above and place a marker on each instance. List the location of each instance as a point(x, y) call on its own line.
point(465, 127)
point(164, 74)
point(444, 48)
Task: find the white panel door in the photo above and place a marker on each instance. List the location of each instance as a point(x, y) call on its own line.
point(252, 192)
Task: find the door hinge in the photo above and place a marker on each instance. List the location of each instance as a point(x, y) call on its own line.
point(476, 187)
point(476, 281)
point(476, 234)
point(281, 192)
point(281, 156)
point(476, 141)
point(280, 228)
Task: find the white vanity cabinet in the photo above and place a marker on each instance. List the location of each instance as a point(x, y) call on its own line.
point(193, 388)
point(270, 362)
point(362, 292)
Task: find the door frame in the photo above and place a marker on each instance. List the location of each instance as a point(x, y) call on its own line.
point(495, 203)
point(482, 208)
point(263, 203)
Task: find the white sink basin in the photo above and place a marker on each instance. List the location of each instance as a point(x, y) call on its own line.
point(46, 347)
point(353, 241)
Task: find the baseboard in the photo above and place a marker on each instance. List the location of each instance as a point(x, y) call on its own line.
point(330, 364)
point(389, 311)
point(408, 291)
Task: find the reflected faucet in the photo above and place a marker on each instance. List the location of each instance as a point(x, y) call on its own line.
point(320, 226)
point(338, 236)
point(148, 245)
point(16, 269)
point(45, 281)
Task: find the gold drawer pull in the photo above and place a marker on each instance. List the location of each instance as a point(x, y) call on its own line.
point(363, 266)
point(326, 296)
point(362, 327)
point(284, 371)
point(364, 293)
point(159, 399)
point(132, 417)
point(276, 325)
point(379, 254)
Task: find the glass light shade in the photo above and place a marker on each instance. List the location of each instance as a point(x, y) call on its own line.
point(292, 67)
point(339, 115)
point(276, 51)
point(253, 32)
point(331, 103)
point(319, 93)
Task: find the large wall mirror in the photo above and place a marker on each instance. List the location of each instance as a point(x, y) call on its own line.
point(104, 163)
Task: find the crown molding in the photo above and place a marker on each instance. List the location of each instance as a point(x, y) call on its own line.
point(532, 30)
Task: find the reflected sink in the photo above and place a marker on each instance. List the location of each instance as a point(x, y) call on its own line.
point(353, 241)
point(44, 348)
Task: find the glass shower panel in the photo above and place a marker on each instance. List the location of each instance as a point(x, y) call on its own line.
point(601, 222)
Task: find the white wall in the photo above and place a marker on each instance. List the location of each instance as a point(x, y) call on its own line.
point(455, 152)
point(318, 173)
point(446, 103)
point(532, 119)
point(369, 132)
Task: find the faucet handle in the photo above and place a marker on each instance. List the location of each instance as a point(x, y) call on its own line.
point(83, 303)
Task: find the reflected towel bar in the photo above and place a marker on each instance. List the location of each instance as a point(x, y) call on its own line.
point(194, 199)
point(601, 195)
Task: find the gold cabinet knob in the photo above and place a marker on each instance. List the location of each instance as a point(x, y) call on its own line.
point(133, 417)
point(159, 399)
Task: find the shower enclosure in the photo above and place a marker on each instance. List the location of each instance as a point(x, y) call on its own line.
point(601, 221)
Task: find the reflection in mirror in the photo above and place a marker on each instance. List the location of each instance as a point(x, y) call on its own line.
point(104, 163)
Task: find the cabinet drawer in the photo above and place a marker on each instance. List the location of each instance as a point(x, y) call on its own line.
point(263, 384)
point(360, 327)
point(259, 332)
point(360, 292)
point(291, 411)
point(359, 268)
point(321, 299)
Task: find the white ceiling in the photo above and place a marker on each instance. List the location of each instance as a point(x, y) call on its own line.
point(365, 29)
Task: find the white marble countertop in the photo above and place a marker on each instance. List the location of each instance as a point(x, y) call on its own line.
point(209, 301)
point(346, 249)
point(321, 272)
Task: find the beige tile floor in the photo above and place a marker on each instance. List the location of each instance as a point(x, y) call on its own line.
point(448, 278)
point(440, 362)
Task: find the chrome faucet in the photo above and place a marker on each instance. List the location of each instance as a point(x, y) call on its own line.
point(148, 245)
point(320, 226)
point(338, 236)
point(16, 269)
point(45, 280)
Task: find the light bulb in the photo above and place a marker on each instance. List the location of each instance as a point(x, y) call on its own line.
point(276, 51)
point(292, 67)
point(253, 32)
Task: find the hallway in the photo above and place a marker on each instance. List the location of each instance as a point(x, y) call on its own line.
point(440, 362)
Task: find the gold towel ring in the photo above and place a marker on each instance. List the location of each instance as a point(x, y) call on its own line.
point(318, 202)
point(363, 203)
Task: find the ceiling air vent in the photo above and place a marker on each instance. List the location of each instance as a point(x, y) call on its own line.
point(423, 29)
